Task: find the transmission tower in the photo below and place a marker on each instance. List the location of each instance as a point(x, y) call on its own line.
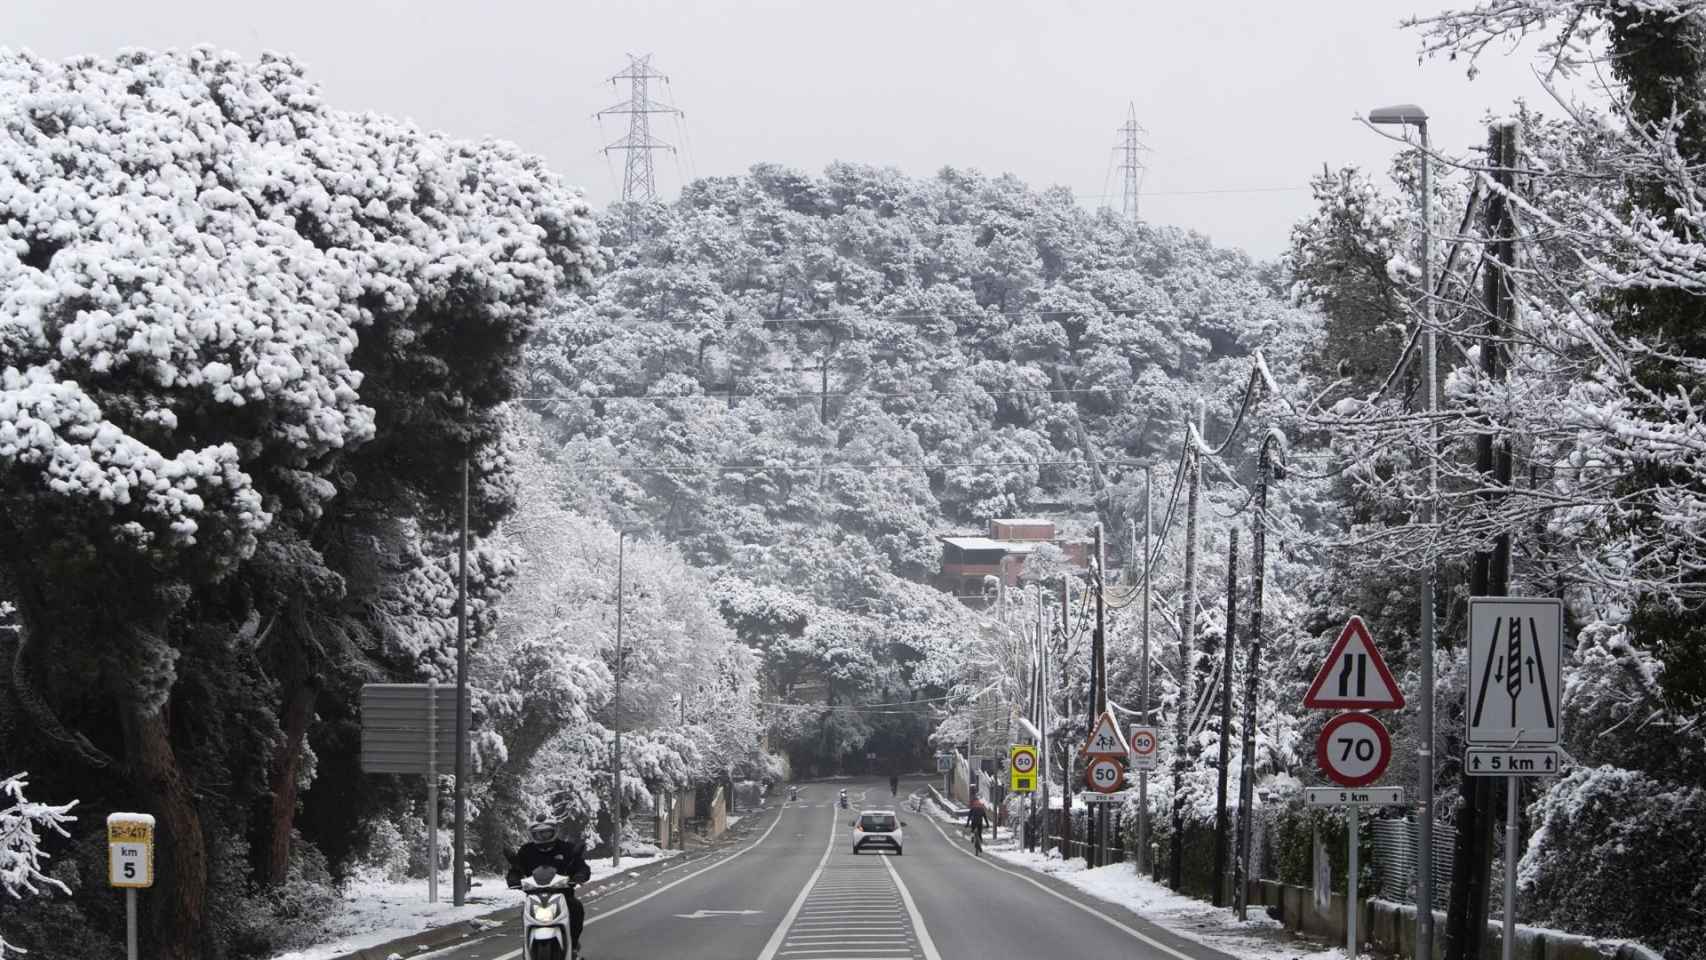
point(638, 179)
point(1131, 166)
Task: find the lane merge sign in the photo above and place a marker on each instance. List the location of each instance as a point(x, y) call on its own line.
point(1353, 749)
point(1022, 768)
point(1516, 652)
point(1144, 742)
point(1354, 675)
point(130, 850)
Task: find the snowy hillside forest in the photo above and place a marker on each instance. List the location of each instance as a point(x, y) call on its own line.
point(248, 341)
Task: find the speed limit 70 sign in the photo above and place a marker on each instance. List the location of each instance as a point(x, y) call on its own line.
point(1353, 749)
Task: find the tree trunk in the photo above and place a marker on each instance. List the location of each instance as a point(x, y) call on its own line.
point(300, 691)
point(178, 901)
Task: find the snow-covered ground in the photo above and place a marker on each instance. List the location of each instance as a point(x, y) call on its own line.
point(377, 911)
point(1259, 938)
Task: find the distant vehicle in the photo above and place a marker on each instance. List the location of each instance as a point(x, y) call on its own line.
point(877, 828)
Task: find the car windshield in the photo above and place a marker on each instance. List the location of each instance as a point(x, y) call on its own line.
point(876, 823)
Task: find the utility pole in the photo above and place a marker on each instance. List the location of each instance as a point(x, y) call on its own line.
point(1221, 824)
point(616, 718)
point(1143, 865)
point(1265, 468)
point(1187, 631)
point(1042, 712)
point(1099, 691)
point(459, 835)
point(639, 181)
point(1066, 748)
point(1466, 919)
point(1131, 167)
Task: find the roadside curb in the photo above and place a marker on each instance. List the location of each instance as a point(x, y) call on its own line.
point(479, 928)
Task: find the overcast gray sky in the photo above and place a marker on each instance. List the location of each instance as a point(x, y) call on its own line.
point(1236, 95)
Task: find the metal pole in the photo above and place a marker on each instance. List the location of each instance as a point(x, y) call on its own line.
point(1247, 770)
point(1099, 694)
point(1066, 748)
point(616, 720)
point(459, 838)
point(1351, 885)
point(1042, 713)
point(1507, 943)
point(130, 923)
point(432, 790)
point(1425, 739)
point(1222, 825)
point(1143, 865)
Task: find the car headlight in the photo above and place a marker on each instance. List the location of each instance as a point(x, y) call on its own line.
point(545, 913)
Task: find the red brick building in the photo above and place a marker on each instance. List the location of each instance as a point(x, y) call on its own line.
point(968, 558)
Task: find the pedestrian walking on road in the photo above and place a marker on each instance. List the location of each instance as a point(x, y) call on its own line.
point(894, 786)
point(976, 817)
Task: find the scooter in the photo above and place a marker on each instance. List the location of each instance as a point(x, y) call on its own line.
point(844, 800)
point(545, 915)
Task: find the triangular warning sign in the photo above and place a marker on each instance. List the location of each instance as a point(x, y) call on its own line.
point(1354, 675)
point(1105, 738)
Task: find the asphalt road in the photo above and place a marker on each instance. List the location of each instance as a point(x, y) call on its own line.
point(793, 890)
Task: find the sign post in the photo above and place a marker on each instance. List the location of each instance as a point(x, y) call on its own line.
point(130, 864)
point(411, 728)
point(1354, 748)
point(1513, 704)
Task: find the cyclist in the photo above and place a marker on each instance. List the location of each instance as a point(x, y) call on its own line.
point(976, 817)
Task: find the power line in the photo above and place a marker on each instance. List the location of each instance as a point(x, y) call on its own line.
point(863, 467)
point(816, 395)
point(980, 314)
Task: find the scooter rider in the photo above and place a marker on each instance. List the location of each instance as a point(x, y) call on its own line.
point(545, 848)
point(844, 798)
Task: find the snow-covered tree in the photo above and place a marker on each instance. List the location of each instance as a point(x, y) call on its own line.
point(23, 824)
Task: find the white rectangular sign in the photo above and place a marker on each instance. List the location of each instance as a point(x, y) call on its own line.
point(1373, 796)
point(1145, 743)
point(1499, 762)
point(130, 865)
point(1094, 797)
point(1516, 652)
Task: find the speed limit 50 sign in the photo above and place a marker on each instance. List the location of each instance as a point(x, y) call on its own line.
point(1353, 749)
point(1022, 768)
point(1105, 775)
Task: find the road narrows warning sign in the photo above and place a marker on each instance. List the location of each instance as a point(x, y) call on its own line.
point(1354, 675)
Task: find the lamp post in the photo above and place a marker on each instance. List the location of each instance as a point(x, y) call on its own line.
point(1411, 115)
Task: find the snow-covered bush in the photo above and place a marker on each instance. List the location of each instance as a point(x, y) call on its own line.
point(1619, 853)
point(23, 824)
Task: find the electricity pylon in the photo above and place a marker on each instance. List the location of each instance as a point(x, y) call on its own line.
point(1131, 167)
point(638, 179)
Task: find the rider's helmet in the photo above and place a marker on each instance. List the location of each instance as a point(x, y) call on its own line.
point(542, 830)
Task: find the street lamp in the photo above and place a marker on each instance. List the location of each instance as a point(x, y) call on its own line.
point(1409, 114)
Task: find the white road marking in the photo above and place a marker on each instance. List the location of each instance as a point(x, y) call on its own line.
point(514, 954)
point(924, 940)
point(1110, 921)
point(775, 942)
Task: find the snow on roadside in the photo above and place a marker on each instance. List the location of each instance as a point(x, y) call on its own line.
point(1259, 938)
point(378, 911)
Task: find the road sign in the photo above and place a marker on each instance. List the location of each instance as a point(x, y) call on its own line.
point(1353, 749)
point(130, 850)
point(1105, 739)
point(1144, 742)
point(1105, 775)
point(1106, 797)
point(1516, 651)
point(1354, 675)
point(1022, 768)
point(1506, 762)
point(398, 723)
point(944, 763)
point(1373, 796)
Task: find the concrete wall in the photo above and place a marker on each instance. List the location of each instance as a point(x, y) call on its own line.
point(1391, 928)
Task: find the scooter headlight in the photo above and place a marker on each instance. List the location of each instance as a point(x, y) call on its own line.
point(545, 912)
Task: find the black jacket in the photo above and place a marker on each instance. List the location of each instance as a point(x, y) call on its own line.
point(567, 857)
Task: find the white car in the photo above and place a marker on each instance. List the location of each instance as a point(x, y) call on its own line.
point(877, 828)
